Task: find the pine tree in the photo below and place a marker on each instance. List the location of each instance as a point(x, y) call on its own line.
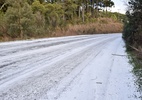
point(19, 17)
point(3, 25)
point(54, 14)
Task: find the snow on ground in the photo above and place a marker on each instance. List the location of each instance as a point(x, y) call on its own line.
point(85, 67)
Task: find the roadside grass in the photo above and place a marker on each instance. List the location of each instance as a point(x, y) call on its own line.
point(101, 26)
point(98, 26)
point(136, 61)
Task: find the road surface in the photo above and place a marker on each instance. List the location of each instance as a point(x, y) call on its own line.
point(85, 67)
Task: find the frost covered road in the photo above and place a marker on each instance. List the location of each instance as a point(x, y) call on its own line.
point(83, 67)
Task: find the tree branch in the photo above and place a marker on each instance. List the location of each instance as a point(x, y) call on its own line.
point(2, 6)
point(135, 49)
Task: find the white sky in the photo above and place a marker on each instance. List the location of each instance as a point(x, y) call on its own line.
point(120, 6)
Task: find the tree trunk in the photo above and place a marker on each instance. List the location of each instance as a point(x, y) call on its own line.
point(96, 9)
point(83, 13)
point(19, 24)
point(79, 12)
point(86, 6)
point(93, 13)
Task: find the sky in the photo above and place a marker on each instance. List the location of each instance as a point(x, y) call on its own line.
point(120, 6)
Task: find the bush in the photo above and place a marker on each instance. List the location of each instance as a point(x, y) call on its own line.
point(20, 19)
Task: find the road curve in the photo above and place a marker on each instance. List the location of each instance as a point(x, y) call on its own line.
point(45, 69)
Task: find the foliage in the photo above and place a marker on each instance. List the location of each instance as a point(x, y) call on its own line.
point(38, 7)
point(20, 18)
point(3, 5)
point(137, 69)
point(54, 15)
point(133, 25)
point(3, 26)
point(108, 3)
point(33, 18)
point(132, 34)
point(70, 8)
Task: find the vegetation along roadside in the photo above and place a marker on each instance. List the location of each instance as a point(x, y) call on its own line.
point(132, 35)
point(25, 19)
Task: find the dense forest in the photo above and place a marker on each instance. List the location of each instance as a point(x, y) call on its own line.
point(38, 18)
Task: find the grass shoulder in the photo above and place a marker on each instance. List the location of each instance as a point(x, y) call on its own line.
point(135, 59)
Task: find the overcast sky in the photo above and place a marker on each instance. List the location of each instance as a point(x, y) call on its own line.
point(120, 6)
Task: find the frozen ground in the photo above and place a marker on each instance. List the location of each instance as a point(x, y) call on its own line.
point(86, 67)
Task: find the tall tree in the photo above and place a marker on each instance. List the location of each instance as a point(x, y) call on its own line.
point(133, 26)
point(108, 3)
point(3, 25)
point(70, 9)
point(19, 17)
point(53, 15)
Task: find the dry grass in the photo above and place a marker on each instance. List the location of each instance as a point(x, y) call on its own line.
point(102, 25)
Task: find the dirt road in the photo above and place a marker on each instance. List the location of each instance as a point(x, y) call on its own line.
point(86, 67)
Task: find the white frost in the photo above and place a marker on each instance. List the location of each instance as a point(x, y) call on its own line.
point(85, 67)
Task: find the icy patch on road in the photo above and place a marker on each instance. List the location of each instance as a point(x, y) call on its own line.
point(90, 67)
point(107, 77)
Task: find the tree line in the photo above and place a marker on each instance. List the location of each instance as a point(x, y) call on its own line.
point(133, 25)
point(29, 18)
point(133, 37)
